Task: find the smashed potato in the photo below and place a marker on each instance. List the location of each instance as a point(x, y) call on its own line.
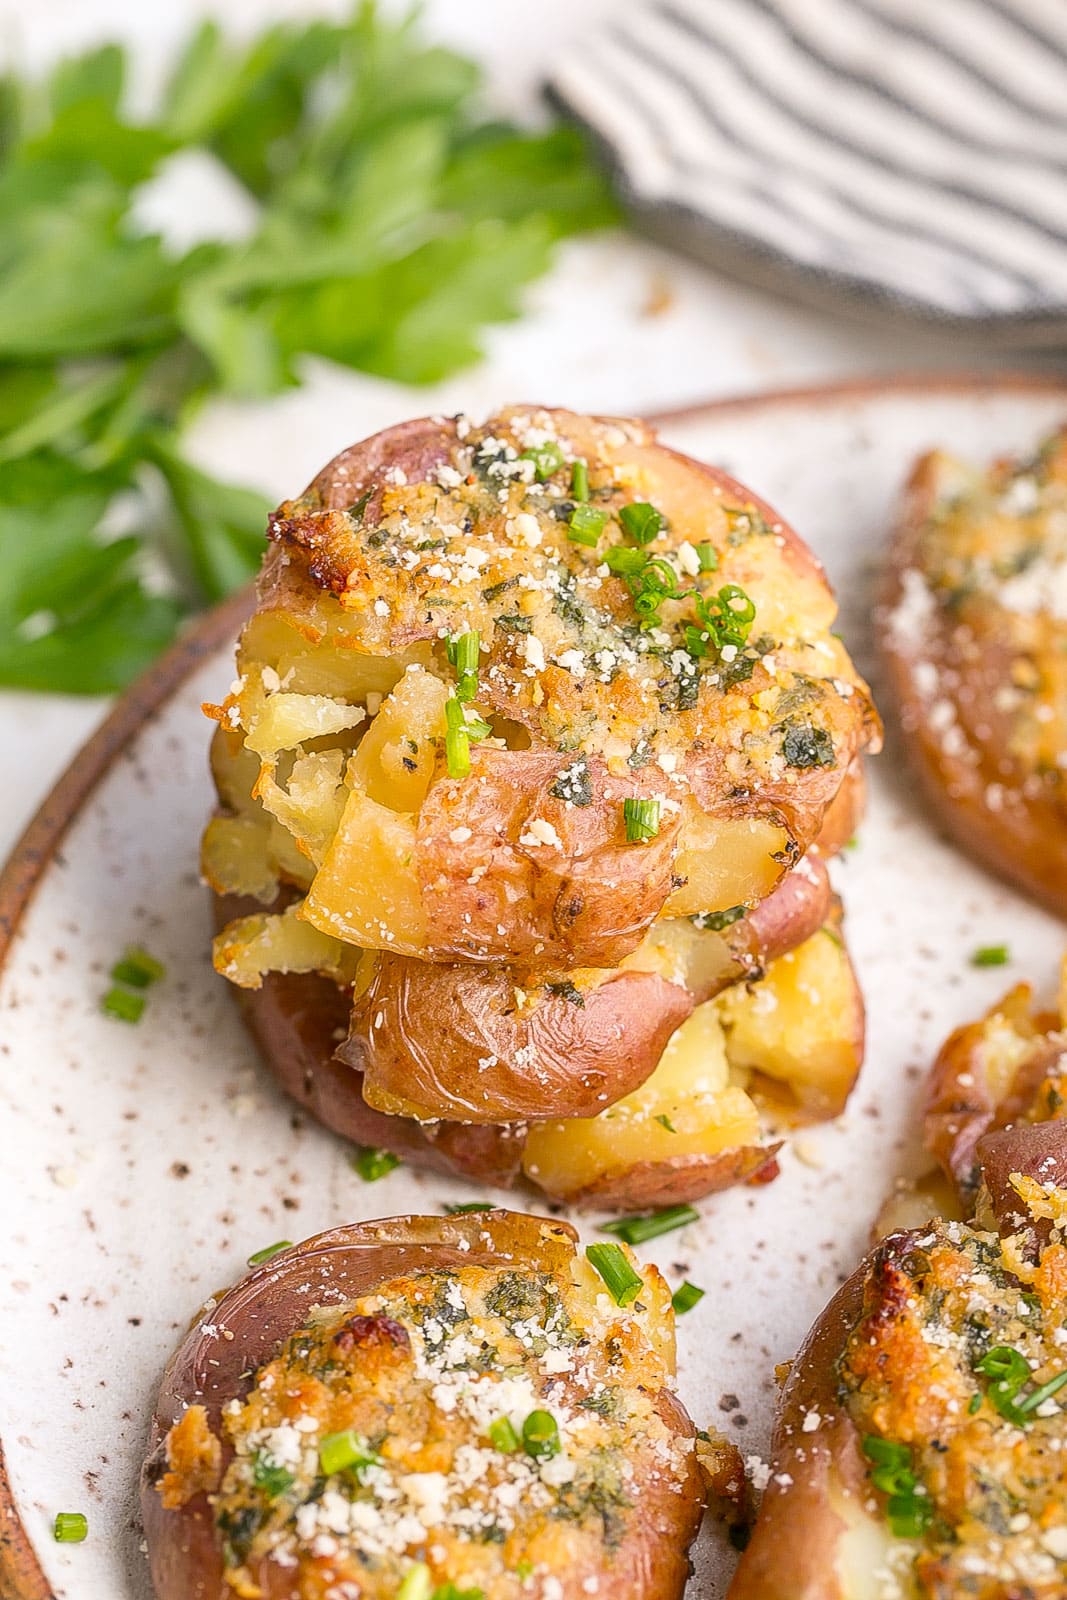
point(974, 636)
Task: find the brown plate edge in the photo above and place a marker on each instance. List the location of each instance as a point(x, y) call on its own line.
point(21, 1576)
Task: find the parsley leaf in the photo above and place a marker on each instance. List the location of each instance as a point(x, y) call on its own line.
point(393, 223)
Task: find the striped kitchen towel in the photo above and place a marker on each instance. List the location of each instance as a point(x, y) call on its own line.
point(908, 155)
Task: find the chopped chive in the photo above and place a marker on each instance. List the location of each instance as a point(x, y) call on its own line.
point(975, 1404)
point(580, 480)
point(641, 521)
point(448, 1591)
point(685, 1297)
point(638, 1230)
point(372, 1164)
point(586, 525)
point(467, 1206)
point(991, 955)
point(623, 1283)
point(502, 1434)
point(137, 968)
point(476, 726)
point(417, 1583)
point(457, 740)
point(463, 651)
point(641, 818)
point(1009, 1370)
point(122, 1004)
point(665, 1122)
point(524, 1570)
point(71, 1527)
point(909, 1514)
point(346, 1452)
point(708, 557)
point(547, 458)
point(540, 1435)
point(269, 1250)
point(1045, 1392)
point(908, 1508)
point(624, 562)
point(886, 1452)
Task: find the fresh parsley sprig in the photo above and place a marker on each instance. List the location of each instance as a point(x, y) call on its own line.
point(392, 222)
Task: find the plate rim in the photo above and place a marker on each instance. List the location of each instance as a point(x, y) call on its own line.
point(21, 1574)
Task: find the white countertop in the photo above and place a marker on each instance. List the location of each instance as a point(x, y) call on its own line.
point(619, 325)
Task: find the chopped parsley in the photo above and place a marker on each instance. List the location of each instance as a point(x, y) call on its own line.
point(807, 746)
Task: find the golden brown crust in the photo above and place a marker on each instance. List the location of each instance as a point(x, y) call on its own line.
point(898, 1357)
point(988, 1074)
point(972, 634)
point(246, 1336)
point(741, 739)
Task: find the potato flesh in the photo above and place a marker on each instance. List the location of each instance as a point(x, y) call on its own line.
point(802, 1025)
point(358, 894)
point(280, 942)
point(725, 861)
point(690, 1087)
point(866, 1552)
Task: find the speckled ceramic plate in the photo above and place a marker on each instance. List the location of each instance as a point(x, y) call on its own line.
point(142, 1165)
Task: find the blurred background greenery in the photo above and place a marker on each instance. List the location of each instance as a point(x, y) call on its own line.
point(393, 220)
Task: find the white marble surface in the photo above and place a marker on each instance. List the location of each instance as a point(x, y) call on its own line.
point(618, 326)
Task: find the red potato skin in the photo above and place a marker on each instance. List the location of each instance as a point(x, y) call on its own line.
point(1024, 840)
point(1035, 1150)
point(299, 1021)
point(586, 903)
point(791, 1555)
point(265, 1307)
point(587, 1056)
point(962, 1105)
point(584, 1057)
point(682, 1178)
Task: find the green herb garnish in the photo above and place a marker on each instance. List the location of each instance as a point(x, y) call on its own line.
point(417, 1583)
point(547, 459)
point(468, 1207)
point(708, 557)
point(623, 1283)
point(70, 1527)
point(463, 652)
point(991, 955)
point(1010, 1372)
point(908, 1508)
point(806, 746)
point(540, 1435)
point(641, 818)
point(623, 561)
point(641, 522)
point(138, 969)
point(269, 1476)
point(268, 1251)
point(580, 479)
point(638, 1230)
point(123, 1004)
point(685, 1297)
point(346, 1452)
point(585, 525)
point(503, 1436)
point(457, 739)
point(372, 1164)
